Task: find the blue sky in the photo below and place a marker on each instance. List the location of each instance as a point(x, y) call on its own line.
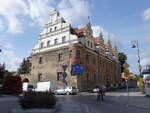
point(121, 21)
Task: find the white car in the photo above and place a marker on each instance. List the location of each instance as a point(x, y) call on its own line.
point(95, 90)
point(66, 90)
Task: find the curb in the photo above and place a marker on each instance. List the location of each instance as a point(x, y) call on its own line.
point(139, 106)
point(132, 105)
point(20, 110)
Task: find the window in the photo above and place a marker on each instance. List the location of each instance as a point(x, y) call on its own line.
point(91, 45)
point(87, 58)
point(59, 76)
point(94, 61)
point(88, 43)
point(39, 77)
point(60, 56)
point(77, 53)
point(70, 53)
point(40, 60)
point(64, 39)
point(87, 77)
point(42, 44)
point(94, 77)
point(48, 43)
point(50, 29)
point(56, 41)
point(55, 28)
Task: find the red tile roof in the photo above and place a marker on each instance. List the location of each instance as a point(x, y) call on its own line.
point(96, 40)
point(106, 46)
point(113, 50)
point(80, 32)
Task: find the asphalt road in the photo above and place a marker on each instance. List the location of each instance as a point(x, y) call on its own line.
point(7, 106)
point(108, 106)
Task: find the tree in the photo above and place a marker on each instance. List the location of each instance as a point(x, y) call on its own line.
point(122, 58)
point(2, 70)
point(24, 67)
point(12, 85)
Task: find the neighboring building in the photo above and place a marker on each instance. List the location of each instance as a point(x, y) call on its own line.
point(61, 45)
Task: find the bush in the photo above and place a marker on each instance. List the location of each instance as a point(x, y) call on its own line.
point(12, 85)
point(37, 100)
point(141, 85)
point(1, 81)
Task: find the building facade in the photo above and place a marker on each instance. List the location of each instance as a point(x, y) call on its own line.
point(61, 46)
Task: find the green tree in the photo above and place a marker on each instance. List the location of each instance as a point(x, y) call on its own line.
point(122, 58)
point(142, 85)
point(24, 67)
point(2, 70)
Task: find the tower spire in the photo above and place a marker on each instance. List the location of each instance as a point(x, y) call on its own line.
point(89, 20)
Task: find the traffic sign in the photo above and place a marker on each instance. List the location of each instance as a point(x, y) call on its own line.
point(64, 67)
point(125, 65)
point(126, 71)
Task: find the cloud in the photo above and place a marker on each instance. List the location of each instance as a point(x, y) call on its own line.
point(145, 61)
point(1, 26)
point(13, 10)
point(13, 61)
point(39, 10)
point(146, 14)
point(10, 9)
point(74, 11)
point(131, 56)
point(106, 35)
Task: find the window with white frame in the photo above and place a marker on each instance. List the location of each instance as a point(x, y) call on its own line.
point(64, 39)
point(56, 41)
point(50, 29)
point(42, 44)
point(48, 43)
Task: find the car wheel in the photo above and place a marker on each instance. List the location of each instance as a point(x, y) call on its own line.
point(68, 93)
point(56, 93)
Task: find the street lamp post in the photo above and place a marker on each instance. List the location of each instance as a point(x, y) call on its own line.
point(135, 44)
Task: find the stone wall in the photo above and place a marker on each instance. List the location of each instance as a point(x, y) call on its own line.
point(99, 70)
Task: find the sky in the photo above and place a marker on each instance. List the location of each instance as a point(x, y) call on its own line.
point(121, 21)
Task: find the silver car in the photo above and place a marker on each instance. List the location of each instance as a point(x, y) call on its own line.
point(66, 90)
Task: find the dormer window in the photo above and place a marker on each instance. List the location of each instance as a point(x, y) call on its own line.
point(64, 39)
point(91, 45)
point(88, 43)
point(56, 41)
point(55, 28)
point(42, 44)
point(50, 29)
point(48, 43)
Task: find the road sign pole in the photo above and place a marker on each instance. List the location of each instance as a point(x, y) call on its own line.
point(127, 91)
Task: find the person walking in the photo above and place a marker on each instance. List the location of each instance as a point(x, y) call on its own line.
point(100, 95)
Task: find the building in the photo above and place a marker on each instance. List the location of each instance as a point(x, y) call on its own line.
point(60, 47)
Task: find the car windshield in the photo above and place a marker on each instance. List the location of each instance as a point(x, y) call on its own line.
point(30, 86)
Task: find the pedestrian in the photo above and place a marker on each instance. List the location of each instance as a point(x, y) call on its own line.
point(100, 95)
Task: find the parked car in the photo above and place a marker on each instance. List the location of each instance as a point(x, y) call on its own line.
point(96, 89)
point(66, 90)
point(46, 86)
point(28, 86)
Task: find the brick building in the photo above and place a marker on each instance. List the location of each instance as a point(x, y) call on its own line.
point(61, 46)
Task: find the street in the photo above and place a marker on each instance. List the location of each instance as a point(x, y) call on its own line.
point(6, 105)
point(108, 106)
point(86, 103)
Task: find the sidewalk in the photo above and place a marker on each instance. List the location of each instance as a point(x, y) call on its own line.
point(135, 98)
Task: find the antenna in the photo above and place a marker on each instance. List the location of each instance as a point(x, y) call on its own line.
point(89, 19)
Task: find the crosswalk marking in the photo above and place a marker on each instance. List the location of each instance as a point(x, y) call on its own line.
point(69, 106)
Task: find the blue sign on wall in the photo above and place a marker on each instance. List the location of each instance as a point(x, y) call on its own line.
point(77, 69)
